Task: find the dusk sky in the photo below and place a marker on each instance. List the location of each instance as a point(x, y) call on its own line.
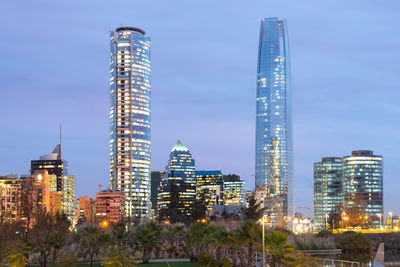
point(54, 68)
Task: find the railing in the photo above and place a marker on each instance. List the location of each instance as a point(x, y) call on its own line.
point(337, 263)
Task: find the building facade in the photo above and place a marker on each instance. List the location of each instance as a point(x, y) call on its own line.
point(86, 210)
point(210, 187)
point(10, 190)
point(130, 143)
point(328, 177)
point(178, 185)
point(234, 190)
point(59, 180)
point(155, 184)
point(363, 185)
point(274, 168)
point(110, 206)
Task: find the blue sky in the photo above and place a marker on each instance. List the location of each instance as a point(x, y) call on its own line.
point(54, 68)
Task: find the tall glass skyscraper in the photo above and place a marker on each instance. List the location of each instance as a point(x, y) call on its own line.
point(178, 185)
point(363, 184)
point(328, 177)
point(130, 144)
point(273, 168)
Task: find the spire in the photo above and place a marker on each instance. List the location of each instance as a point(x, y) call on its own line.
point(179, 146)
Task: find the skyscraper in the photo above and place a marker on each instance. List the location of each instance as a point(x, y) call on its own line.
point(59, 180)
point(273, 168)
point(178, 185)
point(363, 185)
point(130, 144)
point(234, 190)
point(210, 187)
point(328, 177)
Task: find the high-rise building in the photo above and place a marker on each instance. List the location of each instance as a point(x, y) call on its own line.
point(110, 206)
point(209, 186)
point(155, 184)
point(59, 180)
point(328, 177)
point(130, 144)
point(10, 190)
point(363, 184)
point(86, 209)
point(273, 168)
point(234, 190)
point(178, 185)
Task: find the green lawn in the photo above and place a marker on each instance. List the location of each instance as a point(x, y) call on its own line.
point(156, 264)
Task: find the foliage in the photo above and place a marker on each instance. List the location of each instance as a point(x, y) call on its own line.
point(119, 234)
point(147, 237)
point(356, 247)
point(313, 242)
point(16, 258)
point(301, 260)
point(65, 259)
point(324, 233)
point(254, 211)
point(91, 239)
point(118, 258)
point(278, 247)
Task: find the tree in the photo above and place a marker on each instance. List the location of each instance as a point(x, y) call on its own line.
point(301, 260)
point(118, 258)
point(120, 234)
point(91, 239)
point(277, 246)
point(356, 247)
point(48, 234)
point(254, 211)
point(250, 235)
point(147, 237)
point(199, 209)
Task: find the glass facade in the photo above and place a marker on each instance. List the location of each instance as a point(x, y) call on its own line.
point(273, 167)
point(234, 190)
point(328, 178)
point(130, 143)
point(209, 185)
point(59, 180)
point(180, 171)
point(363, 182)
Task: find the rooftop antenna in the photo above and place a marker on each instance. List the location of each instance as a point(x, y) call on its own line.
point(59, 152)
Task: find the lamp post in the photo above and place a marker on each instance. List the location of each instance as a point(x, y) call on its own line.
point(391, 219)
point(380, 221)
point(326, 221)
point(264, 220)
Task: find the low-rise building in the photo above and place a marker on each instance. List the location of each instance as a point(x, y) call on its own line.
point(110, 206)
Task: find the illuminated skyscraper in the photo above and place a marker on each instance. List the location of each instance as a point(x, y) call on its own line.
point(328, 177)
point(59, 180)
point(234, 190)
point(178, 184)
point(210, 187)
point(363, 184)
point(273, 168)
point(130, 144)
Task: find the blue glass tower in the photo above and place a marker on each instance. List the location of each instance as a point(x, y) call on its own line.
point(273, 168)
point(178, 184)
point(130, 142)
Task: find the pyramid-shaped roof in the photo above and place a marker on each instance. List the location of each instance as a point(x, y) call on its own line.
point(179, 147)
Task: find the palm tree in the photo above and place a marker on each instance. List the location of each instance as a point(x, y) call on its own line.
point(249, 235)
point(120, 234)
point(147, 236)
point(278, 247)
point(91, 239)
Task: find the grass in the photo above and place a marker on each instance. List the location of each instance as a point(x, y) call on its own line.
point(155, 264)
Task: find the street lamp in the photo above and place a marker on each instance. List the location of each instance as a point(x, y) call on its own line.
point(391, 219)
point(326, 221)
point(380, 221)
point(264, 220)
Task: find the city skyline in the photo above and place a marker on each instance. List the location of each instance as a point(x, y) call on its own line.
point(340, 97)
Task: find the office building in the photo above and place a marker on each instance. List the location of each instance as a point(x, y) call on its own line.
point(209, 187)
point(274, 168)
point(86, 210)
point(10, 190)
point(59, 179)
point(328, 177)
point(155, 184)
point(178, 185)
point(234, 190)
point(110, 206)
point(130, 144)
point(363, 185)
